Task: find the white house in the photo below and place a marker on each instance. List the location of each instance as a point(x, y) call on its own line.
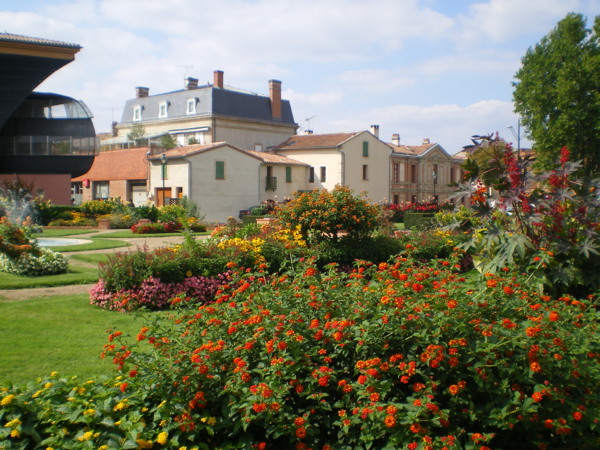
point(358, 160)
point(222, 179)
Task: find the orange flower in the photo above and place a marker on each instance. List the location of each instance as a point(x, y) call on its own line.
point(537, 397)
point(389, 421)
point(301, 433)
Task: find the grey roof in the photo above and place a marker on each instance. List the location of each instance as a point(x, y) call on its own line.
point(209, 101)
point(17, 38)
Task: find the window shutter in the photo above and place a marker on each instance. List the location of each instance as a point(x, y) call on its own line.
point(220, 170)
point(288, 174)
point(365, 148)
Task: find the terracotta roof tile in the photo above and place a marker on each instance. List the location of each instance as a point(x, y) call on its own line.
point(315, 141)
point(118, 165)
point(188, 150)
point(412, 149)
point(274, 158)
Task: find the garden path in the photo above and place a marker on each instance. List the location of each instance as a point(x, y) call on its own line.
point(142, 242)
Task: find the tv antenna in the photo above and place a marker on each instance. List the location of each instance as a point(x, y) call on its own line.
point(308, 122)
point(186, 70)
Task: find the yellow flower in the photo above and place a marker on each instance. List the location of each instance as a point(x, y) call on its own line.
point(6, 400)
point(54, 374)
point(103, 447)
point(89, 412)
point(86, 436)
point(143, 443)
point(48, 385)
point(13, 423)
point(212, 421)
point(162, 438)
point(37, 394)
point(15, 433)
point(120, 406)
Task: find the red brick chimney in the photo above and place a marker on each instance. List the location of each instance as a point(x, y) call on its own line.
point(218, 77)
point(275, 95)
point(141, 92)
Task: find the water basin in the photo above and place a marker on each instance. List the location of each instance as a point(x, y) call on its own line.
point(61, 242)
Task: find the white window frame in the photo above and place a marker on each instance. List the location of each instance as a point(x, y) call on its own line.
point(137, 113)
point(163, 108)
point(191, 106)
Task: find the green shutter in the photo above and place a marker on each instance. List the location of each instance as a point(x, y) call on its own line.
point(220, 170)
point(365, 148)
point(288, 174)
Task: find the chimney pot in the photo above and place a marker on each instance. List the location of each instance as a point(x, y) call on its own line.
point(396, 139)
point(275, 96)
point(218, 79)
point(191, 83)
point(426, 141)
point(141, 92)
point(375, 130)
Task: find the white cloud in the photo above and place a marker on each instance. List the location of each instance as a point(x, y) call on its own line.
point(449, 125)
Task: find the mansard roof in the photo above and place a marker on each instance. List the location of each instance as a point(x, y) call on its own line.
point(209, 101)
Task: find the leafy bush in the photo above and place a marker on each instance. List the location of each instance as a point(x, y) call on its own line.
point(43, 262)
point(21, 255)
point(48, 212)
point(149, 212)
point(552, 231)
point(391, 356)
point(95, 208)
point(158, 227)
point(325, 215)
point(154, 294)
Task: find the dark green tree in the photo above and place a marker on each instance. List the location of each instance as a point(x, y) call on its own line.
point(167, 141)
point(137, 133)
point(557, 93)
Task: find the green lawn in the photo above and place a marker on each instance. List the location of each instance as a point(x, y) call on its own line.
point(96, 244)
point(63, 334)
point(58, 232)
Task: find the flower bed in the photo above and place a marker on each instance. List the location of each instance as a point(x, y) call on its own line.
point(393, 355)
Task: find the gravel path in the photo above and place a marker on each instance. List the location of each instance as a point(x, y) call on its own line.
point(7, 295)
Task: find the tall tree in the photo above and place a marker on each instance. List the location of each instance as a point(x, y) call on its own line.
point(557, 93)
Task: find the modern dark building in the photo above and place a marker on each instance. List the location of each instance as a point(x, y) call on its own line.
point(45, 138)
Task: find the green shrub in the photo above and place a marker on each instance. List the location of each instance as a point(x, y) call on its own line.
point(419, 221)
point(326, 215)
point(48, 212)
point(149, 212)
point(95, 208)
point(42, 262)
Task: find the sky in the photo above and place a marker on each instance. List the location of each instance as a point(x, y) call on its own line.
point(437, 69)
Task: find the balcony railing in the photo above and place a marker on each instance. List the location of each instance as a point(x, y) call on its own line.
point(271, 184)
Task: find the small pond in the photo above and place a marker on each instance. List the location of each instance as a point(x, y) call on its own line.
point(61, 242)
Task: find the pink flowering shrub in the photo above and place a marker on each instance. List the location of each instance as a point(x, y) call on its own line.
point(155, 295)
point(156, 227)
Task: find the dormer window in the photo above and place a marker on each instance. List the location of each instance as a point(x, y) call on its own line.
point(162, 110)
point(137, 113)
point(191, 106)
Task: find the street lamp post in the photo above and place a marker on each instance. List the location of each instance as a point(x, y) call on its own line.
point(163, 162)
point(517, 135)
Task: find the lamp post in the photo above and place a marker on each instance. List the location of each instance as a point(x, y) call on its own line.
point(517, 135)
point(163, 162)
